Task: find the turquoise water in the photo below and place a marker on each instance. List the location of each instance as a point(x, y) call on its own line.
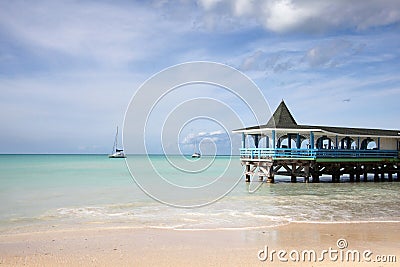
point(66, 191)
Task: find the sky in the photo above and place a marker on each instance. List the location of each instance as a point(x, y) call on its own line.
point(68, 69)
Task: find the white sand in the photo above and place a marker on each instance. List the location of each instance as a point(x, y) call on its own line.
point(155, 247)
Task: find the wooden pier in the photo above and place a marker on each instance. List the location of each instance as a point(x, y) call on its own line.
point(305, 151)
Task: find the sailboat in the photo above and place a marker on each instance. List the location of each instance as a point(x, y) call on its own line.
point(195, 154)
point(117, 153)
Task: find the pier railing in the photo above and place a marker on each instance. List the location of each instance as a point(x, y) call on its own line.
point(263, 153)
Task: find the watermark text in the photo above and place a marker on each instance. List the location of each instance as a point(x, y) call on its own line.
point(340, 253)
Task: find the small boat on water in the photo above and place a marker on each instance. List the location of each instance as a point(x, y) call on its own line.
point(116, 152)
point(195, 154)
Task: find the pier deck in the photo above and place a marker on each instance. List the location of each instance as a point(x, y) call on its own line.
point(306, 163)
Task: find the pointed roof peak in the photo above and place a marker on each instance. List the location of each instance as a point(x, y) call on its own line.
point(282, 118)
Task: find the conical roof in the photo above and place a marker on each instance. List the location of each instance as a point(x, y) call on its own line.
point(282, 118)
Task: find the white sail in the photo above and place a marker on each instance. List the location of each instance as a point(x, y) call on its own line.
point(195, 153)
point(116, 152)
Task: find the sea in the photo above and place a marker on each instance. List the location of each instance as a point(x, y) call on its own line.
point(61, 192)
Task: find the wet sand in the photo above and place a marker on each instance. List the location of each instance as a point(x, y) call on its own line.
point(124, 246)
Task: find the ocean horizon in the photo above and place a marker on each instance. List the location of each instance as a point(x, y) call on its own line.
point(43, 192)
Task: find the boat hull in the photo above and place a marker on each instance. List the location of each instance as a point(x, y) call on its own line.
point(117, 155)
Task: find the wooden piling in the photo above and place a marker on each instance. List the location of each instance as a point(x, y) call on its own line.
point(358, 173)
point(390, 177)
point(271, 176)
point(336, 178)
point(398, 172)
point(352, 177)
point(365, 174)
point(247, 172)
point(293, 177)
point(336, 173)
point(376, 176)
point(307, 173)
point(315, 178)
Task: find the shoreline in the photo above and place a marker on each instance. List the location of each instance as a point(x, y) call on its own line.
point(106, 226)
point(168, 247)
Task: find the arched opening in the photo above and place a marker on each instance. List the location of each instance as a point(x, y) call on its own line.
point(263, 142)
point(250, 142)
point(346, 142)
point(354, 145)
point(284, 142)
point(302, 138)
point(305, 144)
point(368, 143)
point(324, 142)
point(372, 145)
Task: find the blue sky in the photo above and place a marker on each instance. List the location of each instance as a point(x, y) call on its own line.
point(69, 68)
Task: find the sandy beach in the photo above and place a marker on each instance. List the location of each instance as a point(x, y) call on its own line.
point(125, 246)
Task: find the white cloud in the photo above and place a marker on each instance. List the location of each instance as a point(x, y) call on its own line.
point(253, 61)
point(217, 132)
point(218, 136)
point(99, 32)
point(209, 4)
point(211, 142)
point(243, 7)
point(332, 52)
point(281, 16)
point(311, 15)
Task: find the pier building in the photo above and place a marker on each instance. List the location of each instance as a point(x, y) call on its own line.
point(283, 147)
